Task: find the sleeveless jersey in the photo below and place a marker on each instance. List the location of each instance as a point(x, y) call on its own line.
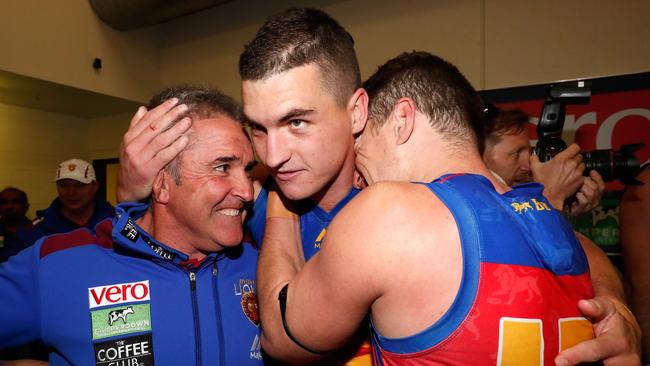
point(313, 221)
point(523, 274)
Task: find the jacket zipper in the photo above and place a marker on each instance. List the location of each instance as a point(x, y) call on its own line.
point(195, 313)
point(215, 284)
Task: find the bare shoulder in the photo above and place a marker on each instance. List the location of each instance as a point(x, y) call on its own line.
point(388, 214)
point(391, 199)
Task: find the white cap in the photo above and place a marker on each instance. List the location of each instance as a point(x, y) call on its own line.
point(77, 169)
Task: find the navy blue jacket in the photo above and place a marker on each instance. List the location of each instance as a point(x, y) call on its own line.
point(116, 296)
point(51, 221)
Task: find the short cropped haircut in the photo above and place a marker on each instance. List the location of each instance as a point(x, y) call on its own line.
point(439, 91)
point(202, 103)
point(505, 122)
point(298, 37)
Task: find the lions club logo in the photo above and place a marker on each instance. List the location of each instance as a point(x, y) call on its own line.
point(72, 167)
point(249, 305)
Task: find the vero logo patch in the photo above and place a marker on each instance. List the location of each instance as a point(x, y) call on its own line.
point(120, 320)
point(118, 294)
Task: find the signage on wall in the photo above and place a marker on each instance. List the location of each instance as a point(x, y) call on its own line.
point(618, 113)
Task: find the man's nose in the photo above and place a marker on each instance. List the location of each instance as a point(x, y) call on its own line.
point(243, 189)
point(277, 150)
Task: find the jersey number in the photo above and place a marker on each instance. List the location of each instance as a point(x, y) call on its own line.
point(521, 341)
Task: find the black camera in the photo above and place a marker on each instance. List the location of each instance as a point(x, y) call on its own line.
point(622, 164)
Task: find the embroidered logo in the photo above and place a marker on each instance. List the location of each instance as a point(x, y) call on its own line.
point(246, 289)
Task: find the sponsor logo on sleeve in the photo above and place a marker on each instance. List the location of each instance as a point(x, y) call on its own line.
point(110, 322)
point(118, 294)
point(246, 289)
point(129, 231)
point(132, 351)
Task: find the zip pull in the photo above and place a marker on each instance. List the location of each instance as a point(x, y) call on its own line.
point(215, 270)
point(192, 280)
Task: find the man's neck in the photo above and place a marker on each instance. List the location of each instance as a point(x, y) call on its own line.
point(80, 217)
point(168, 233)
point(454, 163)
point(340, 186)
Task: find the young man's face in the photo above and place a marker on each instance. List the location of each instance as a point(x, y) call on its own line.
point(209, 202)
point(300, 131)
point(509, 157)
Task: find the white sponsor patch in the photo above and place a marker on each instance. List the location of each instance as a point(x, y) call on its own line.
point(118, 293)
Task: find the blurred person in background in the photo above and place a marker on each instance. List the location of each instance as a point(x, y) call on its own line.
point(76, 205)
point(13, 211)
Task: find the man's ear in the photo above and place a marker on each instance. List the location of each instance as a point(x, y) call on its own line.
point(358, 106)
point(161, 185)
point(404, 120)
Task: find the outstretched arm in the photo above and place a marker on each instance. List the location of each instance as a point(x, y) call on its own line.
point(617, 333)
point(148, 145)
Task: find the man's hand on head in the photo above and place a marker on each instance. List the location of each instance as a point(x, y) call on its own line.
point(589, 194)
point(148, 145)
point(618, 336)
point(561, 176)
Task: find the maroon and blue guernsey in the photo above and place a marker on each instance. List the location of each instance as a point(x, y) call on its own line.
point(117, 297)
point(523, 274)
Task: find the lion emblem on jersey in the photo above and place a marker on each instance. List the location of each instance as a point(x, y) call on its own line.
point(514, 284)
point(249, 305)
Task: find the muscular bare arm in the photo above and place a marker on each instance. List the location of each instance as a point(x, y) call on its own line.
point(361, 267)
point(617, 332)
point(634, 221)
point(281, 257)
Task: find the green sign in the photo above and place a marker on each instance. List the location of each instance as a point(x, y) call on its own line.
point(120, 320)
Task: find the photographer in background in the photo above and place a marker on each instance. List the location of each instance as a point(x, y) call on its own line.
point(508, 154)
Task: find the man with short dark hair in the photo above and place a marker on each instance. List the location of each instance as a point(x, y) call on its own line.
point(13, 210)
point(76, 205)
point(302, 97)
point(168, 283)
point(302, 129)
point(464, 269)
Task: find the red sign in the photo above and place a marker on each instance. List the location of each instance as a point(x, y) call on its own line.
point(609, 121)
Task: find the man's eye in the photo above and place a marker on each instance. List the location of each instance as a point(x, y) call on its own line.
point(222, 168)
point(297, 123)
